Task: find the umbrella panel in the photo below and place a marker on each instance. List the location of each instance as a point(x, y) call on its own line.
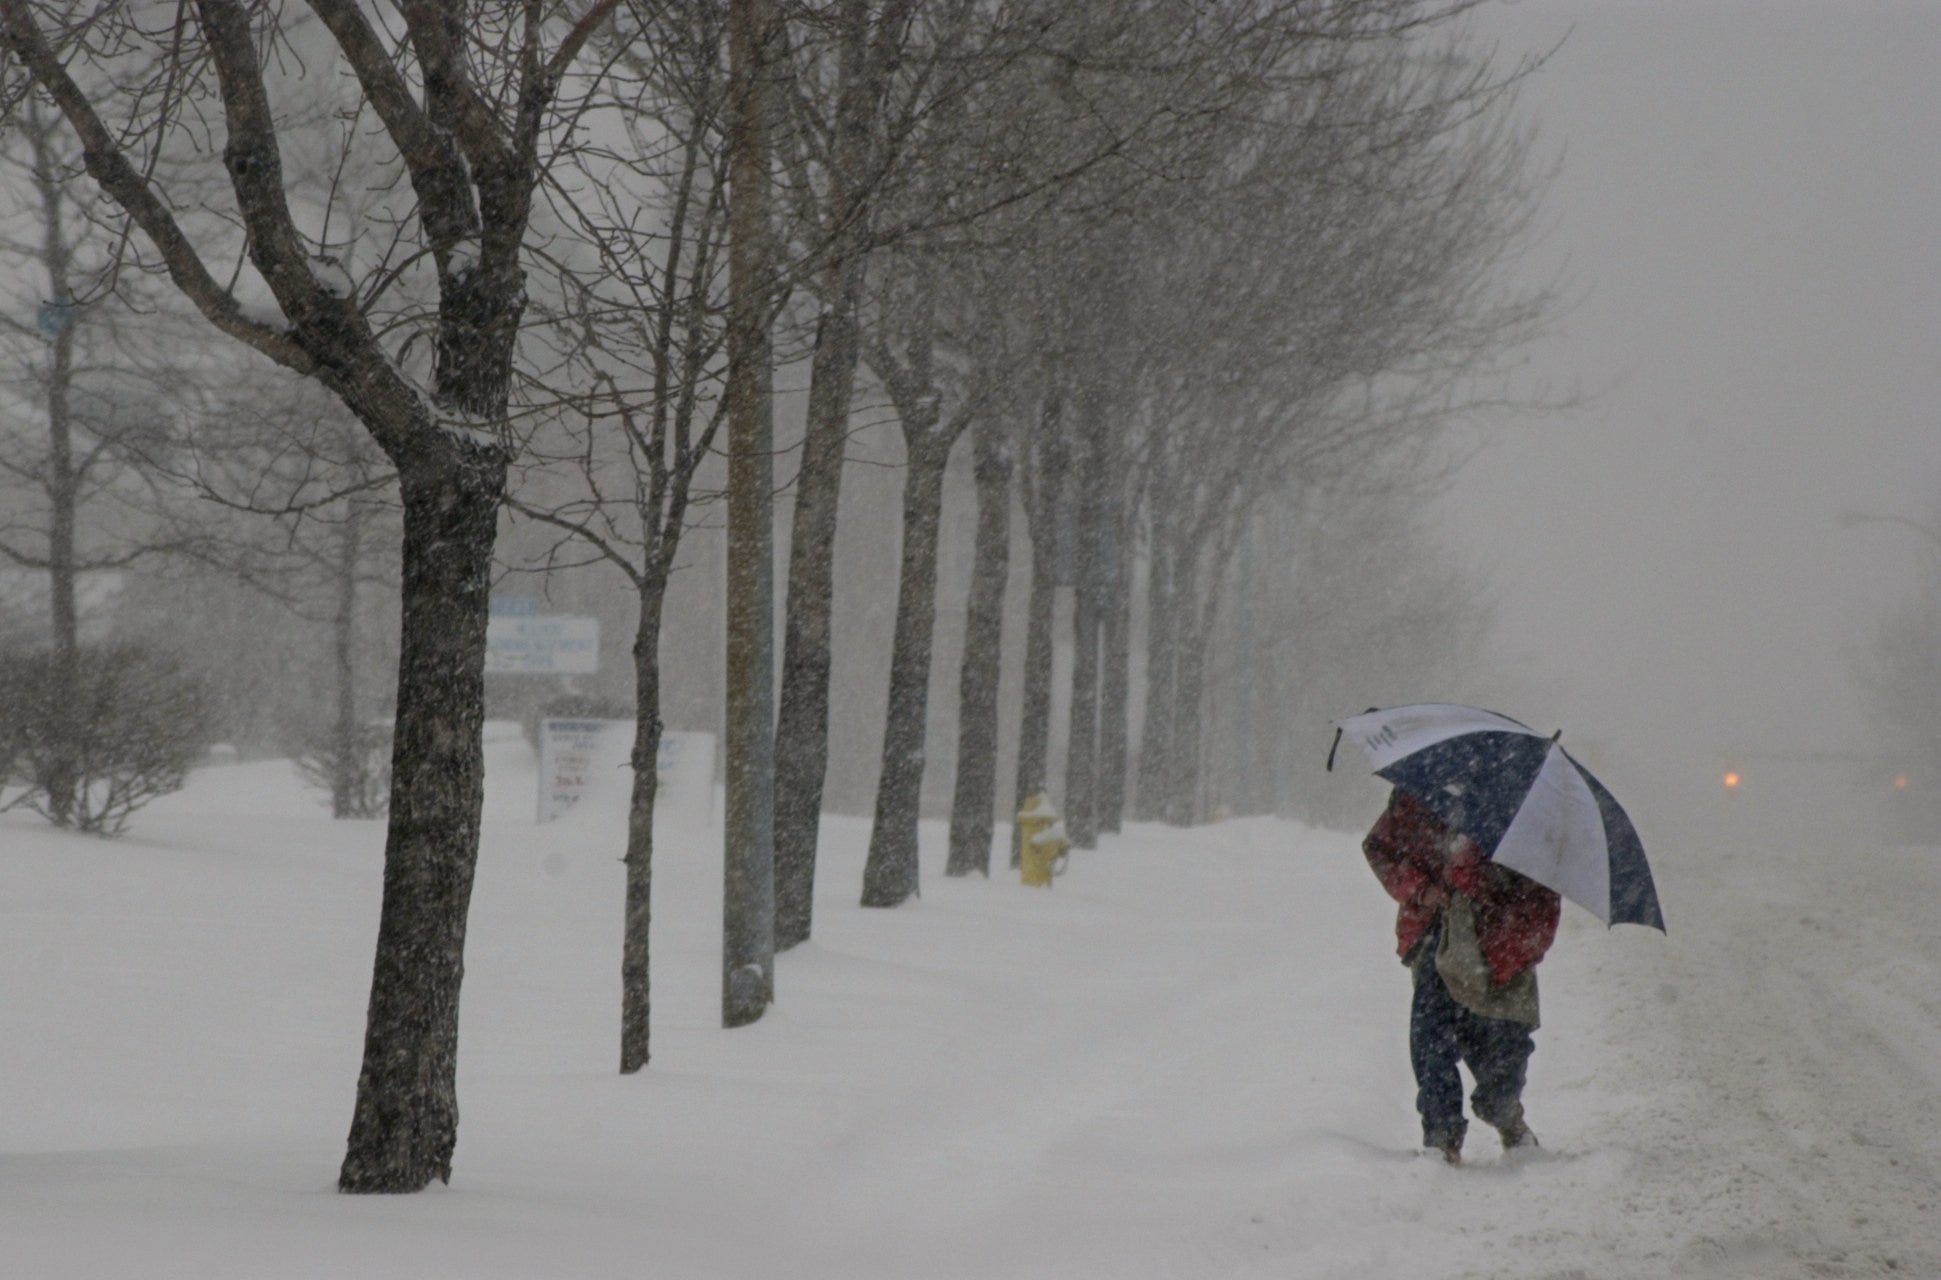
point(1388, 736)
point(1634, 897)
point(1475, 783)
point(1558, 838)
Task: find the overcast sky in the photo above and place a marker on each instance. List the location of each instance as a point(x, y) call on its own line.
point(1748, 220)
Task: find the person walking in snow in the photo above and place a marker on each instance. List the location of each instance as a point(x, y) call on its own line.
point(1471, 933)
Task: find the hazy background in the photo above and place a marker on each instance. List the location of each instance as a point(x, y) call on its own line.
point(1741, 226)
point(1745, 222)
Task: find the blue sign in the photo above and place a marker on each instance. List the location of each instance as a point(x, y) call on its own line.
point(56, 318)
point(542, 645)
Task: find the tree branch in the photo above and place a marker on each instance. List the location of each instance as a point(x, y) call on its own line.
point(109, 165)
point(445, 202)
point(607, 551)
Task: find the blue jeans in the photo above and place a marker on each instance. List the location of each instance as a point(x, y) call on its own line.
point(1443, 1033)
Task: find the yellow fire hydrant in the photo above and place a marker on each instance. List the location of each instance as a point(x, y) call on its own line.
point(1042, 843)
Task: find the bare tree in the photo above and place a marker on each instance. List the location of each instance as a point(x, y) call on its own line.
point(1138, 108)
point(1021, 107)
point(1343, 596)
point(938, 122)
point(308, 518)
point(1041, 485)
point(351, 756)
point(933, 411)
point(975, 786)
point(88, 392)
point(1350, 284)
point(854, 103)
point(463, 99)
point(748, 892)
point(637, 376)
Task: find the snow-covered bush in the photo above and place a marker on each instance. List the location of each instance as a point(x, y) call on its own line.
point(87, 745)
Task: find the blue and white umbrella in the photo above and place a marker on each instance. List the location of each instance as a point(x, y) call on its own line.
point(1522, 800)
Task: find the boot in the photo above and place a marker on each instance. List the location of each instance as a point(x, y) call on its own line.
point(1449, 1143)
point(1516, 1134)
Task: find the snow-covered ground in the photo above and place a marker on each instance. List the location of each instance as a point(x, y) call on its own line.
point(1186, 1060)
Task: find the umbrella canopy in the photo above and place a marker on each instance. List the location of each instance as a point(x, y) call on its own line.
point(1519, 797)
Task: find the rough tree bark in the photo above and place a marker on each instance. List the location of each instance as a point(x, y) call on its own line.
point(1115, 693)
point(347, 757)
point(802, 722)
point(1043, 490)
point(890, 873)
point(1162, 661)
point(1082, 744)
point(748, 898)
point(405, 1124)
point(635, 988)
point(62, 478)
point(1183, 798)
point(974, 797)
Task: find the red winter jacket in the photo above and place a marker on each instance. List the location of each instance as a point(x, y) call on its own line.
point(1420, 861)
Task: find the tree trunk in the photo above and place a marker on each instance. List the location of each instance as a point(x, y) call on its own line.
point(451, 478)
point(1242, 796)
point(1044, 493)
point(634, 969)
point(1081, 746)
point(1162, 661)
point(62, 486)
point(347, 757)
point(1114, 694)
point(748, 873)
point(1034, 721)
point(802, 724)
point(1183, 802)
point(890, 874)
point(406, 1119)
point(971, 809)
point(63, 483)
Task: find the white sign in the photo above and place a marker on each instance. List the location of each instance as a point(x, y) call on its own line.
point(541, 645)
point(578, 758)
point(583, 761)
